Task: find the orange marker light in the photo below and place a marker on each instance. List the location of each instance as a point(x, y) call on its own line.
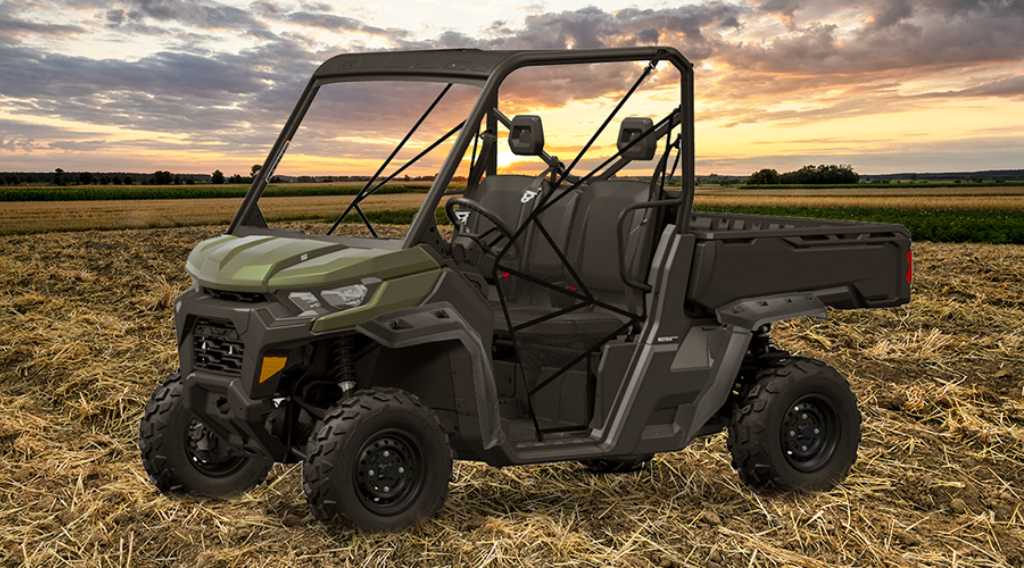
point(271, 365)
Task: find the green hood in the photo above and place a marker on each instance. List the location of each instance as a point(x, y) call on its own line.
point(266, 263)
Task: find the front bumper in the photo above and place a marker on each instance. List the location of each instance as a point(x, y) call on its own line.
point(229, 398)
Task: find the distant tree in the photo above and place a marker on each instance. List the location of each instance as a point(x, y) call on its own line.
point(161, 177)
point(822, 174)
point(128, 180)
point(116, 180)
point(58, 177)
point(236, 179)
point(189, 181)
point(764, 177)
point(86, 178)
point(217, 177)
point(255, 169)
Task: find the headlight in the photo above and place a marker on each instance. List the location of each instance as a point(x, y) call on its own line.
point(341, 298)
point(307, 302)
point(346, 296)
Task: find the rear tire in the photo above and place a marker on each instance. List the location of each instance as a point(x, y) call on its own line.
point(378, 459)
point(181, 455)
point(797, 427)
point(602, 466)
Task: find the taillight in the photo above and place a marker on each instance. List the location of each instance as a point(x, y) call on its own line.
point(910, 266)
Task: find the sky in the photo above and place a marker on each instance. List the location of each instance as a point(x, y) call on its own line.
point(190, 86)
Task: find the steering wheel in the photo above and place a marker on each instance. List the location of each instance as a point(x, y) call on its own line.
point(496, 222)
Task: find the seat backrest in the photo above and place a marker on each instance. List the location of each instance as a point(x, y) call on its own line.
point(503, 195)
point(541, 260)
point(594, 242)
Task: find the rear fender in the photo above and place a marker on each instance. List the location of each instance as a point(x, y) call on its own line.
point(752, 313)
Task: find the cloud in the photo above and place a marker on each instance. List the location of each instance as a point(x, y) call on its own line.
point(204, 14)
point(225, 75)
point(339, 24)
point(899, 34)
point(1006, 87)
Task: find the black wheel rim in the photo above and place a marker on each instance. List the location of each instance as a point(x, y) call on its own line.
point(209, 453)
point(389, 472)
point(810, 433)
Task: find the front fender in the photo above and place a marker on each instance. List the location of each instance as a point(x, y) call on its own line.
point(390, 296)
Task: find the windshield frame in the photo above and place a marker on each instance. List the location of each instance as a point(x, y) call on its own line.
point(249, 219)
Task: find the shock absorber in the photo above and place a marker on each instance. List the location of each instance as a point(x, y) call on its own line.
point(343, 362)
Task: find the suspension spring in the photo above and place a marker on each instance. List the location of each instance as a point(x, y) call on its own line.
point(343, 362)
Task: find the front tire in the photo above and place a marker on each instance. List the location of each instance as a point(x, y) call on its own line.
point(181, 455)
point(378, 459)
point(797, 427)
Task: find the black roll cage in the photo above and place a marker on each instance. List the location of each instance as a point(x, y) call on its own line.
point(423, 229)
point(487, 69)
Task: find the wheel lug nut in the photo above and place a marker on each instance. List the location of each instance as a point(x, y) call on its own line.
point(401, 469)
point(803, 448)
point(804, 416)
point(371, 473)
point(817, 431)
point(386, 453)
point(386, 489)
point(792, 433)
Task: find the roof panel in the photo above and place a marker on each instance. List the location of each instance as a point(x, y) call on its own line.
point(475, 63)
point(465, 62)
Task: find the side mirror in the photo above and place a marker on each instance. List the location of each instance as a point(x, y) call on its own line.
point(526, 135)
point(631, 128)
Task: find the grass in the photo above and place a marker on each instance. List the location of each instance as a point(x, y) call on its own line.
point(86, 334)
point(199, 191)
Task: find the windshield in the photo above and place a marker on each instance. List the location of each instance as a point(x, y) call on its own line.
point(365, 155)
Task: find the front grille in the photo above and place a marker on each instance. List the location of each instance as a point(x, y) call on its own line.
point(229, 296)
point(217, 347)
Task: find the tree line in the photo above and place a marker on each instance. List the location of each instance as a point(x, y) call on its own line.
point(59, 177)
point(820, 174)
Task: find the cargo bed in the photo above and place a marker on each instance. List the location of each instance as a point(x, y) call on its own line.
point(847, 264)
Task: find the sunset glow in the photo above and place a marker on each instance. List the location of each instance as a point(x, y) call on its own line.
point(136, 85)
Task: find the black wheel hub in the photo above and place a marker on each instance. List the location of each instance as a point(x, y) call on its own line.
point(810, 433)
point(389, 472)
point(209, 453)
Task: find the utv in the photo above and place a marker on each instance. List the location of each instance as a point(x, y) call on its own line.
point(568, 316)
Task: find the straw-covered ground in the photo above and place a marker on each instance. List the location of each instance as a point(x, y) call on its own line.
point(85, 334)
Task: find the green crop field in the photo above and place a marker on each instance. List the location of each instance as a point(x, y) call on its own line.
point(938, 225)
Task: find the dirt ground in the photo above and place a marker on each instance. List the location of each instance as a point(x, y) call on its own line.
point(85, 335)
